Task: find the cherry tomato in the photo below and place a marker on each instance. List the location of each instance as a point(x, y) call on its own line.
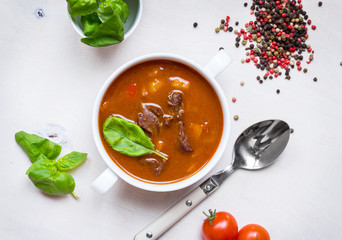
point(253, 232)
point(219, 226)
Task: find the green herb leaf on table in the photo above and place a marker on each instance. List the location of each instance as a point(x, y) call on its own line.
point(45, 173)
point(81, 7)
point(35, 146)
point(127, 138)
point(70, 161)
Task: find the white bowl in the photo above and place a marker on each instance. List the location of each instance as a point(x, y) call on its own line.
point(135, 12)
point(102, 184)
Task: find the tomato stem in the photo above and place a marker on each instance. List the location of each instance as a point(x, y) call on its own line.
point(210, 217)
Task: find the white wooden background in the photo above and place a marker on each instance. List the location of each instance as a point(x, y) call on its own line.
point(49, 79)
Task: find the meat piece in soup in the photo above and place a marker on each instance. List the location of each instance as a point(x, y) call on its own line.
point(168, 103)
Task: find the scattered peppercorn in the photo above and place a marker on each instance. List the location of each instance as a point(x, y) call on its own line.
point(320, 4)
point(236, 117)
point(217, 30)
point(230, 29)
point(221, 48)
point(305, 70)
point(315, 79)
point(277, 38)
point(242, 83)
point(242, 60)
point(341, 63)
point(261, 81)
point(245, 4)
point(233, 99)
point(195, 24)
point(278, 91)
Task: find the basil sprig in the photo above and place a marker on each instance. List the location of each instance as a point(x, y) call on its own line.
point(128, 138)
point(103, 20)
point(47, 174)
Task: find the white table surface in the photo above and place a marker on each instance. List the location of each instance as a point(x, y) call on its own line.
point(48, 78)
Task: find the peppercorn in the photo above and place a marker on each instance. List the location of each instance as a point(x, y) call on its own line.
point(320, 4)
point(195, 24)
point(242, 83)
point(236, 117)
point(315, 79)
point(242, 60)
point(234, 99)
point(341, 63)
point(313, 27)
point(237, 44)
point(305, 70)
point(222, 21)
point(236, 23)
point(230, 29)
point(245, 4)
point(278, 91)
point(221, 48)
point(217, 30)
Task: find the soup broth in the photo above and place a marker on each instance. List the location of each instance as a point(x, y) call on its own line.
point(152, 89)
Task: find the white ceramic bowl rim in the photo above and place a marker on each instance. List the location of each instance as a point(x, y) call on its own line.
point(157, 186)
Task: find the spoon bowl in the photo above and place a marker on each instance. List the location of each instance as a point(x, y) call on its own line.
point(260, 144)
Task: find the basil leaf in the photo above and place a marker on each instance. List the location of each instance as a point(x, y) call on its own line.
point(35, 145)
point(109, 32)
point(119, 6)
point(90, 23)
point(81, 7)
point(45, 176)
point(127, 138)
point(70, 161)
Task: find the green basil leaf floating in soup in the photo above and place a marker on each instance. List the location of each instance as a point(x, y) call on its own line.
point(46, 177)
point(35, 145)
point(81, 7)
point(90, 23)
point(70, 161)
point(127, 138)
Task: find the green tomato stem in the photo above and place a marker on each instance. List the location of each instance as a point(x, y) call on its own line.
point(160, 155)
point(75, 196)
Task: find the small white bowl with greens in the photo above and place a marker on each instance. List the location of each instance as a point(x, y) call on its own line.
point(102, 23)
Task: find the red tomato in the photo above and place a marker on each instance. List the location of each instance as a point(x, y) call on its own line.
point(253, 232)
point(219, 226)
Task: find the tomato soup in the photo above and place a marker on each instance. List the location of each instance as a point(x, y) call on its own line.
point(178, 110)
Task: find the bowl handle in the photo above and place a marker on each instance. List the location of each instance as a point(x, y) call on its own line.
point(105, 181)
point(218, 63)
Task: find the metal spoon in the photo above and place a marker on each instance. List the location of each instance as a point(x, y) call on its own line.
point(256, 147)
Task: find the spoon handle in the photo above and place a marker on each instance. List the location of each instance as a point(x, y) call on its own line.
point(172, 215)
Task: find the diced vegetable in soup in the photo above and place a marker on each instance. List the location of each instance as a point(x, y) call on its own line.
point(176, 108)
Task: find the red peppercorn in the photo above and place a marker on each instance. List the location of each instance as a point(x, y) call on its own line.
point(226, 24)
point(258, 34)
point(274, 43)
point(308, 62)
point(306, 36)
point(251, 23)
point(271, 70)
point(309, 21)
point(298, 63)
point(234, 99)
point(255, 60)
point(248, 60)
point(254, 26)
point(299, 68)
point(299, 1)
point(309, 49)
point(252, 52)
point(283, 15)
point(313, 27)
point(246, 25)
point(276, 75)
point(267, 73)
point(261, 2)
point(227, 18)
point(300, 6)
point(225, 28)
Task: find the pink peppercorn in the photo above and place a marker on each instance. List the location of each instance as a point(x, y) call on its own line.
point(313, 27)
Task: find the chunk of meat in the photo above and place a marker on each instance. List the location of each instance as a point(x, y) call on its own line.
point(154, 108)
point(167, 120)
point(183, 139)
point(175, 100)
point(148, 121)
point(155, 164)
